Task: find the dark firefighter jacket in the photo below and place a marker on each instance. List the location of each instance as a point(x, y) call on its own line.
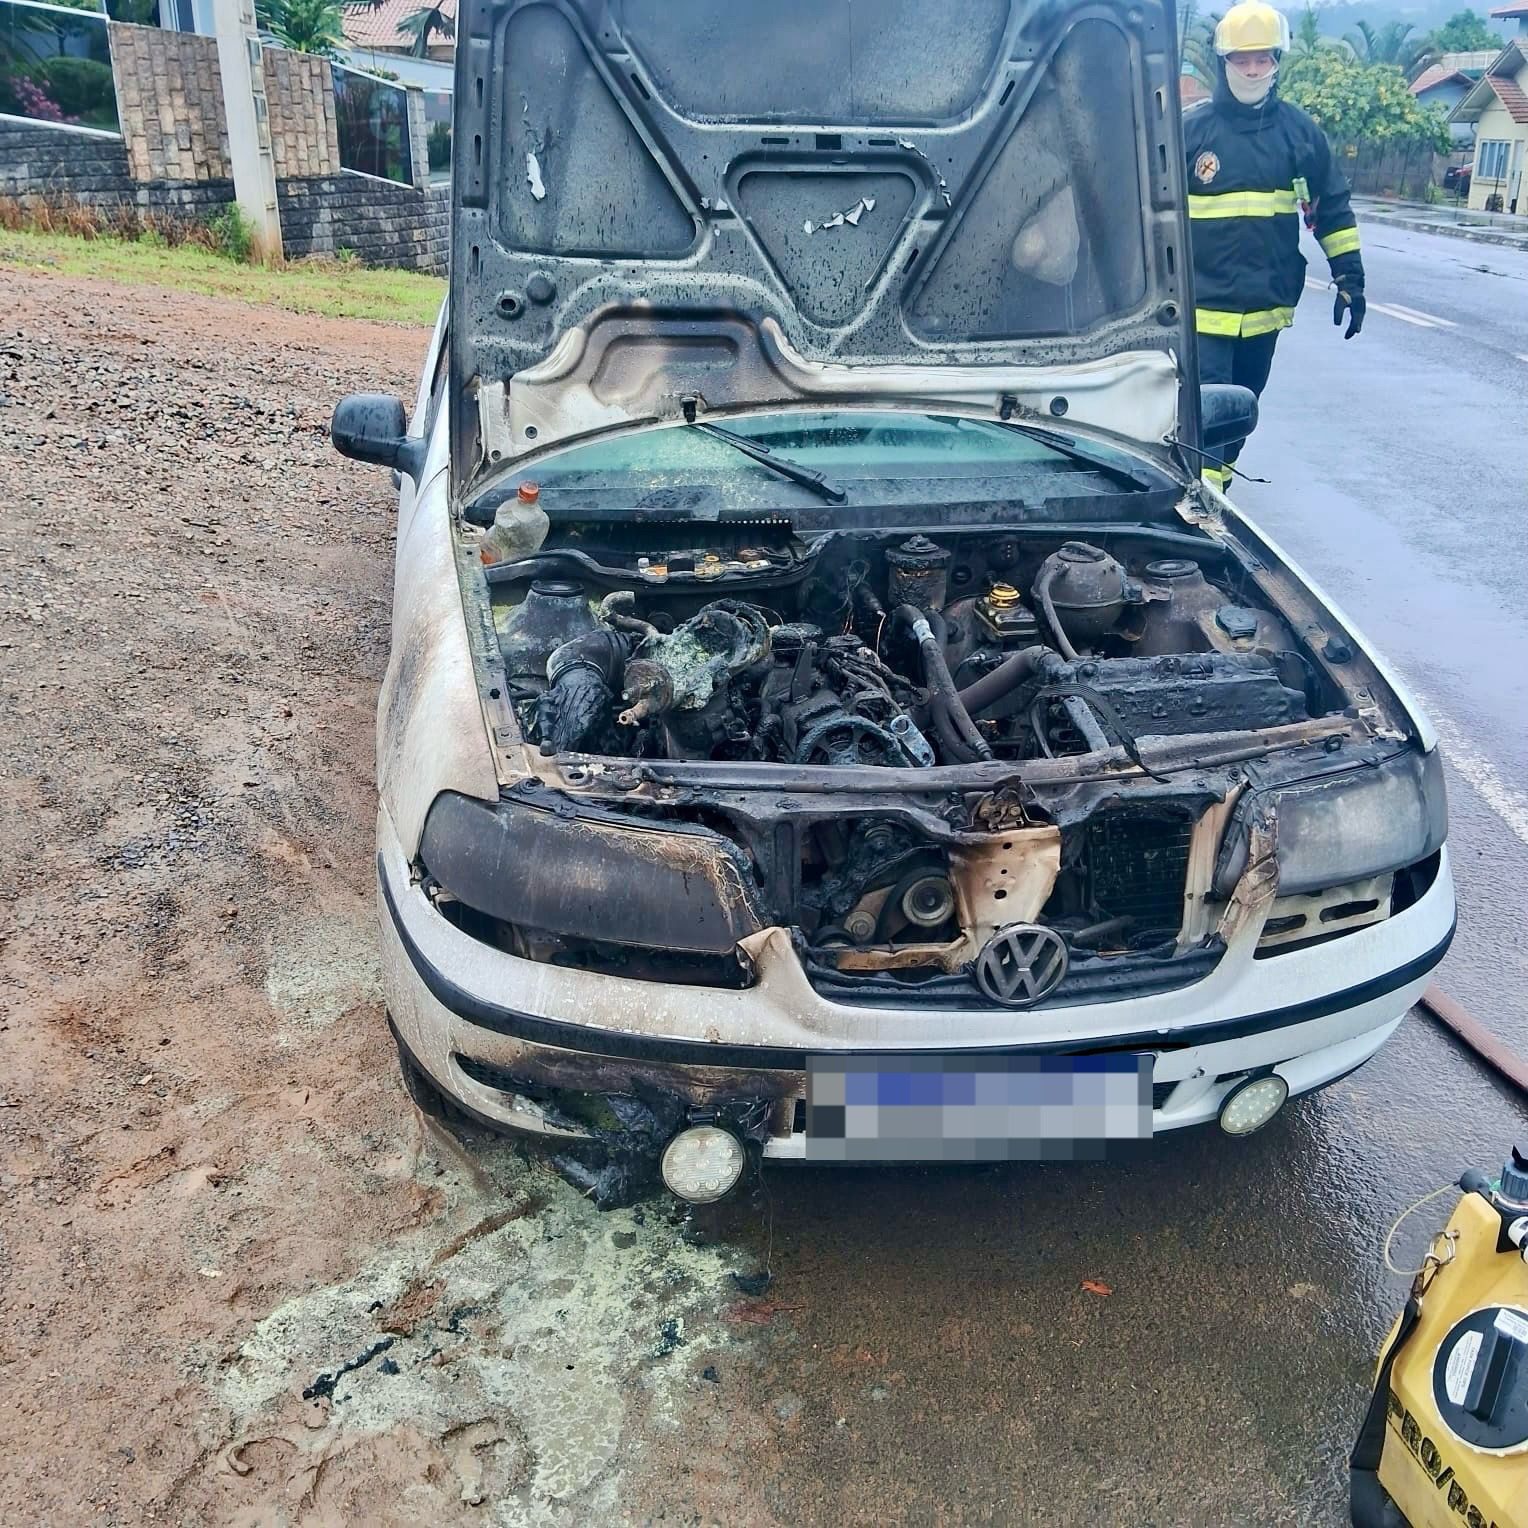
point(1249, 172)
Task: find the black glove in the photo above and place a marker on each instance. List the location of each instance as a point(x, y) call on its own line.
point(1350, 300)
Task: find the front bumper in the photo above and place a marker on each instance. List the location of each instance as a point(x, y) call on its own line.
point(1311, 1014)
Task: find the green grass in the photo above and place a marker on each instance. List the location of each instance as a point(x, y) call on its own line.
point(332, 288)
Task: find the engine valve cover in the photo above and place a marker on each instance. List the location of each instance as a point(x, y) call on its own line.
point(1179, 694)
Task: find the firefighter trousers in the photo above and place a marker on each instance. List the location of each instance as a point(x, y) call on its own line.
point(1245, 362)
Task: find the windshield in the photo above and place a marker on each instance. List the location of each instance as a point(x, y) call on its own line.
point(850, 446)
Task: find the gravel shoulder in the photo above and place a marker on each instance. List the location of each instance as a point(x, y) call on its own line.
point(216, 1194)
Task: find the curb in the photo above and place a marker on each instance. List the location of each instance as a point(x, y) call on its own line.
point(1448, 230)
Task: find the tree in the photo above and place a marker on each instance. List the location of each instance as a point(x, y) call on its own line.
point(1307, 37)
point(421, 25)
point(1356, 103)
point(1196, 41)
point(1389, 44)
point(1464, 32)
point(304, 26)
point(425, 22)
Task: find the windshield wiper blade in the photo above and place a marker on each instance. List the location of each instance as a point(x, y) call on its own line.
point(823, 487)
point(1070, 445)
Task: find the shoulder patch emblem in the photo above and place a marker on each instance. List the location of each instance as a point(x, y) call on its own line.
point(1206, 168)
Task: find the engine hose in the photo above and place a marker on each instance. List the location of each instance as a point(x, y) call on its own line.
point(947, 699)
point(583, 676)
point(950, 740)
point(602, 651)
point(1003, 680)
point(936, 674)
point(1048, 610)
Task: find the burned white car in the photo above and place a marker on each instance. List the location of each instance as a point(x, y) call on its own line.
point(827, 715)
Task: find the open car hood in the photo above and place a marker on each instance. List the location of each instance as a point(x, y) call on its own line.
point(672, 206)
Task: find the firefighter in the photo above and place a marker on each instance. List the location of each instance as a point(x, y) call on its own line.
point(1256, 164)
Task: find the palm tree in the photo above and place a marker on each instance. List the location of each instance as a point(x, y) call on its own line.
point(304, 26)
point(1307, 39)
point(425, 22)
point(1196, 40)
point(1392, 43)
point(422, 24)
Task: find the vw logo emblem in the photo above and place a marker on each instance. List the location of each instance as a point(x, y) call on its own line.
point(1021, 964)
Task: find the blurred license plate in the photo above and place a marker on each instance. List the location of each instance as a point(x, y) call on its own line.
point(974, 1108)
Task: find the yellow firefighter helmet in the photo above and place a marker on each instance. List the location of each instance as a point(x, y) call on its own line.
point(1251, 27)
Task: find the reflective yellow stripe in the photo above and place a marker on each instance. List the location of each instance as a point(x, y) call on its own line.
point(1243, 204)
point(1242, 325)
point(1266, 321)
point(1343, 242)
point(1216, 477)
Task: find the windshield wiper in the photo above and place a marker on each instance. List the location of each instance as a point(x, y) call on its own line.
point(823, 487)
point(1070, 445)
point(1060, 442)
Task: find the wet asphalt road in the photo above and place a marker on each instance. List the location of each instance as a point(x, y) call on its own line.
point(943, 1362)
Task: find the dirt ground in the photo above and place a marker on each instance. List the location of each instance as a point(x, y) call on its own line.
point(242, 1282)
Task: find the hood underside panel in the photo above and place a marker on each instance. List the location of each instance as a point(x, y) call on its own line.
point(928, 184)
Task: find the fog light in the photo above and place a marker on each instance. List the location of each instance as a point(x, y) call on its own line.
point(702, 1163)
point(1250, 1106)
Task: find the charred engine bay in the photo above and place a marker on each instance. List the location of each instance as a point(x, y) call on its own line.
point(712, 648)
point(896, 650)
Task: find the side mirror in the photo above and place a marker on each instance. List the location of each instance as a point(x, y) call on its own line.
point(1227, 414)
point(372, 427)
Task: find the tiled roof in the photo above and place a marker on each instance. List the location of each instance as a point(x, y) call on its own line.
point(1436, 74)
point(1506, 12)
point(368, 28)
point(1510, 93)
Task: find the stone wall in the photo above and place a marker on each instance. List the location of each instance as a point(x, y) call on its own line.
point(299, 90)
point(383, 223)
point(172, 157)
point(56, 165)
point(438, 222)
point(419, 136)
point(170, 104)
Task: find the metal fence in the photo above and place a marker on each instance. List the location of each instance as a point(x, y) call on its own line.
point(55, 66)
point(372, 119)
point(1406, 171)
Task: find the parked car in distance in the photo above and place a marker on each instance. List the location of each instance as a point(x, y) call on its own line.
point(827, 715)
point(1456, 178)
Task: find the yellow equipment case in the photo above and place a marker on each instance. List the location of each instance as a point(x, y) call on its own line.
point(1445, 1441)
